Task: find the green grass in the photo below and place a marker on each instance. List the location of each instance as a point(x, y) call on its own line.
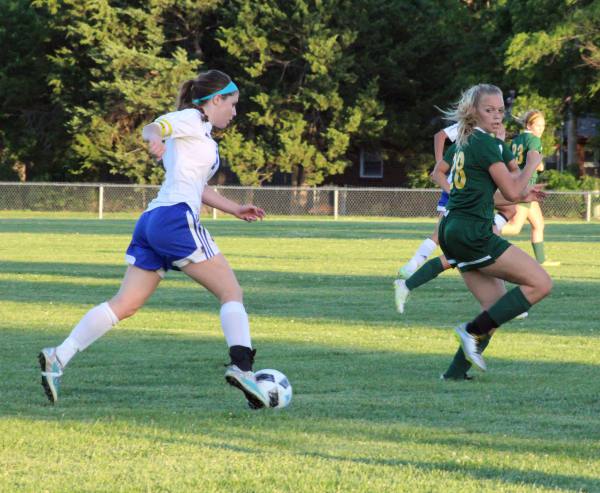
point(146, 407)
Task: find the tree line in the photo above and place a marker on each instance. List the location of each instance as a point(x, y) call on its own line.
point(320, 79)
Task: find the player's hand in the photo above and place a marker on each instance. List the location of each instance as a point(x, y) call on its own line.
point(249, 213)
point(501, 132)
point(156, 147)
point(534, 193)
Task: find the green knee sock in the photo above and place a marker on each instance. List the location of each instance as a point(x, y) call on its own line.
point(460, 365)
point(538, 251)
point(509, 306)
point(428, 271)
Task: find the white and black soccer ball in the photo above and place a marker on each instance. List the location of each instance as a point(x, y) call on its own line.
point(276, 385)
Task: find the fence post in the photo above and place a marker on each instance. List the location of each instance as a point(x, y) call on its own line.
point(214, 212)
point(588, 206)
point(336, 202)
point(101, 202)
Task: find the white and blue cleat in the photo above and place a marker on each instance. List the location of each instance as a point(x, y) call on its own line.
point(246, 382)
point(51, 373)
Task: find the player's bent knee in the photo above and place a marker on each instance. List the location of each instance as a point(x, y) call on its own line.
point(546, 287)
point(543, 286)
point(232, 294)
point(124, 310)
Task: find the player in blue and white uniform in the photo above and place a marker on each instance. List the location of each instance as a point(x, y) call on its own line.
point(430, 244)
point(169, 235)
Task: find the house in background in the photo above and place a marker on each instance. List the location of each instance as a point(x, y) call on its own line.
point(585, 148)
point(369, 169)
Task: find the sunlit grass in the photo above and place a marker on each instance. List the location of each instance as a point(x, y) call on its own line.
point(146, 407)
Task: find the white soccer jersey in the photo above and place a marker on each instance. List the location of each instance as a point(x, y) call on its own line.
point(191, 159)
point(452, 132)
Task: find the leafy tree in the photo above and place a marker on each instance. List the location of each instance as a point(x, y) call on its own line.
point(425, 53)
point(305, 101)
point(562, 59)
point(29, 123)
point(110, 77)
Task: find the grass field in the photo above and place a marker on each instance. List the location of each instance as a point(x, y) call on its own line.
point(146, 408)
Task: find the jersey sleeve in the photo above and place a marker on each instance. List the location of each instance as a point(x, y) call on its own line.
point(452, 132)
point(489, 152)
point(178, 124)
point(507, 155)
point(534, 144)
point(449, 154)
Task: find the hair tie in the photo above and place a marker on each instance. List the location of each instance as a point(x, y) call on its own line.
point(228, 89)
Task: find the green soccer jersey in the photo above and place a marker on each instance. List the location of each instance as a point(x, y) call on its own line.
point(521, 145)
point(472, 187)
point(449, 154)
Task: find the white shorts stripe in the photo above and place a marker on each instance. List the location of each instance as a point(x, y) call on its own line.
point(206, 242)
point(192, 225)
point(473, 262)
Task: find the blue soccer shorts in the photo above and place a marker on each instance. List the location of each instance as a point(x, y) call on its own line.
point(169, 237)
point(441, 205)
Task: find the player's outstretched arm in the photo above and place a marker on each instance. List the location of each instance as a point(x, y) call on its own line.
point(514, 186)
point(247, 212)
point(532, 193)
point(439, 175)
point(439, 139)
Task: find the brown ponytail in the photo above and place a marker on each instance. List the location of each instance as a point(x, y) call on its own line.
point(205, 84)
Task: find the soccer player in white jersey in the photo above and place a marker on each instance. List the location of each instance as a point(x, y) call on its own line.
point(429, 245)
point(168, 235)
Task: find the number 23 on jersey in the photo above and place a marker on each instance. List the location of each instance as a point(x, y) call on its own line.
point(518, 152)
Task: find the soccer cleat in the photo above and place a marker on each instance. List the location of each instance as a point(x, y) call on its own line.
point(550, 263)
point(246, 382)
point(522, 316)
point(406, 271)
point(51, 373)
point(470, 347)
point(401, 294)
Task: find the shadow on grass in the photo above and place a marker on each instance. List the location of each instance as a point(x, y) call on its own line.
point(342, 396)
point(267, 229)
point(334, 298)
point(354, 229)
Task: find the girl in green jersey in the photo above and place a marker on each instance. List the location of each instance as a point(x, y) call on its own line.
point(528, 141)
point(484, 259)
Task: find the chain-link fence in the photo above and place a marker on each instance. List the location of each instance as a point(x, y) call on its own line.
point(285, 201)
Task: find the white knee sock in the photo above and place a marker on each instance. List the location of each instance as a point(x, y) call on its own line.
point(425, 250)
point(234, 321)
point(94, 324)
point(500, 221)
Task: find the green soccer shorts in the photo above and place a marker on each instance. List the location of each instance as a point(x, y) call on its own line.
point(470, 243)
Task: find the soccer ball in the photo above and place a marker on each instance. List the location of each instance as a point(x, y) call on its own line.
point(276, 385)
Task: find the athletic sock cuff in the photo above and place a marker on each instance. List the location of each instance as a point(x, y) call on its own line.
point(428, 271)
point(509, 306)
point(500, 220)
point(426, 248)
point(109, 312)
point(232, 307)
point(482, 324)
point(430, 243)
